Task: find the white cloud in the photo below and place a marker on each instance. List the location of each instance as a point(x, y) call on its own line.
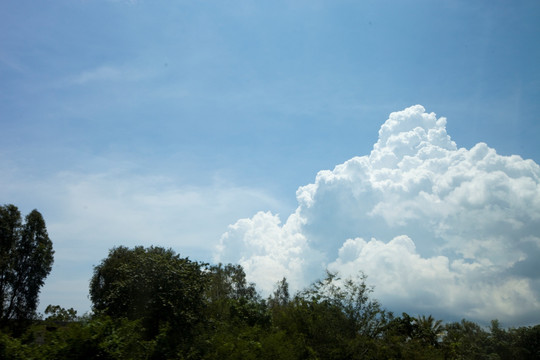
point(454, 231)
point(265, 248)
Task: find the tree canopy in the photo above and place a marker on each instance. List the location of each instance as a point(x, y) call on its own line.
point(153, 284)
point(150, 303)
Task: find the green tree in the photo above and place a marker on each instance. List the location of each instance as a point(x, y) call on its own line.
point(26, 257)
point(428, 329)
point(58, 313)
point(154, 285)
point(525, 342)
point(281, 296)
point(231, 298)
point(465, 340)
point(405, 337)
point(352, 297)
point(229, 282)
point(333, 319)
point(515, 343)
point(235, 316)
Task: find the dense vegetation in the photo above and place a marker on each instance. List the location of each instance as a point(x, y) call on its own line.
point(150, 303)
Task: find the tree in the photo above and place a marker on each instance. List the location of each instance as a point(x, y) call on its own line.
point(352, 297)
point(465, 340)
point(281, 296)
point(26, 257)
point(154, 285)
point(229, 282)
point(429, 330)
point(56, 313)
point(333, 319)
point(231, 298)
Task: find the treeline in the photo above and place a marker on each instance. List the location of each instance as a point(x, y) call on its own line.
point(151, 303)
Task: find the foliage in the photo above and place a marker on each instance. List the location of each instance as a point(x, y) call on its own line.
point(229, 282)
point(281, 296)
point(26, 257)
point(230, 297)
point(154, 285)
point(465, 340)
point(428, 330)
point(59, 314)
point(149, 303)
point(332, 319)
point(351, 297)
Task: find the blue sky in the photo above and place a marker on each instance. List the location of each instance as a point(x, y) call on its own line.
point(138, 122)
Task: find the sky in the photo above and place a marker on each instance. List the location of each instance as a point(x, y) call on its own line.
point(397, 138)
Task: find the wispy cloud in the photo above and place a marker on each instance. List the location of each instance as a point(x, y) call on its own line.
point(101, 73)
point(89, 213)
point(11, 63)
point(107, 73)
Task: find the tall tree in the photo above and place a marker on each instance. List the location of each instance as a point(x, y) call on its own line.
point(281, 296)
point(26, 257)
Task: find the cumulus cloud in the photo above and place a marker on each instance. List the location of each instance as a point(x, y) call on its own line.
point(265, 248)
point(452, 231)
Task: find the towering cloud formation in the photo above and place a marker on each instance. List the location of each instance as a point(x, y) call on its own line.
point(436, 228)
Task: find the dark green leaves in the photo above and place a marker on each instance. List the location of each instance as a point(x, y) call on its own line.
point(153, 285)
point(26, 257)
